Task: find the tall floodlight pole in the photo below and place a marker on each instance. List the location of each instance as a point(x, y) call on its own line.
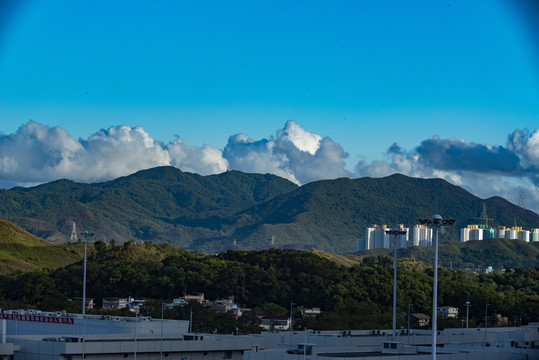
point(394, 233)
point(520, 318)
point(136, 335)
point(467, 304)
point(408, 332)
point(85, 234)
point(435, 222)
point(162, 320)
point(486, 321)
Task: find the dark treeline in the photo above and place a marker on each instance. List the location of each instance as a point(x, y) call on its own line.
point(357, 297)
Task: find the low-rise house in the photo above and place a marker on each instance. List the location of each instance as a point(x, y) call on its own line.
point(89, 302)
point(419, 319)
point(497, 320)
point(134, 305)
point(184, 300)
point(114, 303)
point(179, 302)
point(314, 312)
point(223, 305)
point(448, 312)
point(198, 297)
point(275, 322)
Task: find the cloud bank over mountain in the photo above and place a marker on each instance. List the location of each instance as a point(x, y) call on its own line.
point(36, 153)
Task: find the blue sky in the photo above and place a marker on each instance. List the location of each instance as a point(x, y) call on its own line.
point(318, 89)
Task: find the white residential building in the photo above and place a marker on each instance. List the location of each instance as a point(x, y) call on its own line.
point(377, 238)
point(421, 235)
point(471, 232)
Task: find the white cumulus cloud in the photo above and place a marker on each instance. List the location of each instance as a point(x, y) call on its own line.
point(38, 153)
point(204, 161)
point(294, 153)
point(482, 169)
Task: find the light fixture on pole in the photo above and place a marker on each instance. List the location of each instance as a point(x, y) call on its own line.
point(395, 232)
point(467, 304)
point(435, 222)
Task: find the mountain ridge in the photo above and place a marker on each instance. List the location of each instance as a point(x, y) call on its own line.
point(253, 211)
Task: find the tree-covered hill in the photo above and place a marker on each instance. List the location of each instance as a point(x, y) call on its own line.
point(245, 211)
point(21, 251)
point(161, 204)
point(473, 255)
point(333, 214)
point(350, 297)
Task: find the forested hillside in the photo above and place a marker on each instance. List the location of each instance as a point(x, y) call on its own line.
point(473, 255)
point(358, 296)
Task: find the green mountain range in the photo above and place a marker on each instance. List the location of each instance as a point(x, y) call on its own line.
point(21, 251)
point(245, 211)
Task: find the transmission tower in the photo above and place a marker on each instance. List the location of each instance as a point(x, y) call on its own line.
point(484, 216)
point(521, 197)
point(74, 233)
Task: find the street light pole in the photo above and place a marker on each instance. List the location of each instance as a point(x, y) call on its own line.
point(85, 234)
point(291, 318)
point(292, 323)
point(409, 305)
point(162, 320)
point(467, 304)
point(436, 222)
point(520, 319)
point(394, 233)
point(486, 321)
point(136, 335)
point(437, 219)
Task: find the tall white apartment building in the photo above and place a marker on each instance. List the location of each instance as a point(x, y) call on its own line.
point(511, 233)
point(421, 236)
point(471, 232)
point(500, 232)
point(377, 238)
